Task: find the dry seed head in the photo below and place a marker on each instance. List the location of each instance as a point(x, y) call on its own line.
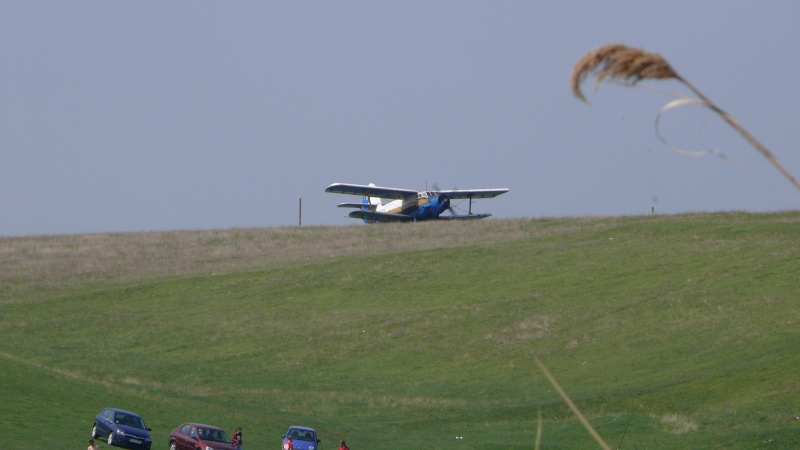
point(617, 62)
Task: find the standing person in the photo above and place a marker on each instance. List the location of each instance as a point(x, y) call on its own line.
point(92, 445)
point(288, 444)
point(237, 438)
point(343, 446)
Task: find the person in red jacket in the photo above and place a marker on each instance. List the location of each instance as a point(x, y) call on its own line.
point(237, 439)
point(288, 444)
point(343, 446)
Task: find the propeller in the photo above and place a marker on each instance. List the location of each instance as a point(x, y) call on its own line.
point(446, 200)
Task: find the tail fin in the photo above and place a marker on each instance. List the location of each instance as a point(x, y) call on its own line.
point(370, 204)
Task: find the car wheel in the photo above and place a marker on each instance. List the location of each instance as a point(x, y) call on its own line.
point(94, 432)
point(111, 438)
point(172, 446)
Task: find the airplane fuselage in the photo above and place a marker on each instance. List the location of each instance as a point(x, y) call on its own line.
point(426, 205)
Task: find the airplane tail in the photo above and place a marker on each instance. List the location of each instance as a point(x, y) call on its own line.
point(370, 204)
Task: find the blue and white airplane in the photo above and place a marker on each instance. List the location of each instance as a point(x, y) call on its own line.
point(384, 204)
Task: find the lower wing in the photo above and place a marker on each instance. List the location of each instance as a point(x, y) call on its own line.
point(380, 217)
point(464, 217)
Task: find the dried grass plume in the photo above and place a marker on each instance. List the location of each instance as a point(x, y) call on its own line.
point(620, 63)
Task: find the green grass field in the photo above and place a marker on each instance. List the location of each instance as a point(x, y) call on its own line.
point(667, 332)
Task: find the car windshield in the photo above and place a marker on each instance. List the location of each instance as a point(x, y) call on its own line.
point(302, 435)
point(213, 435)
point(130, 421)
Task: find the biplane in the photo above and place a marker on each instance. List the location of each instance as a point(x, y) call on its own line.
point(384, 204)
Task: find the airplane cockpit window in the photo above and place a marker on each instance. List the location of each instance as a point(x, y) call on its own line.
point(422, 195)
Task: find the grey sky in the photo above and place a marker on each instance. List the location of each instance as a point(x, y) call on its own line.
point(144, 116)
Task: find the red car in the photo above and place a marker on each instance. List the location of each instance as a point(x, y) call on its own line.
point(196, 436)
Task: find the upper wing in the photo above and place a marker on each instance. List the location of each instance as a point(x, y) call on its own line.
point(370, 191)
point(473, 193)
point(380, 217)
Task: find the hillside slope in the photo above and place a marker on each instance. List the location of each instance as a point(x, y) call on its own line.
point(667, 331)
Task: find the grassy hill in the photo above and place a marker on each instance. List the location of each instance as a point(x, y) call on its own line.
point(667, 331)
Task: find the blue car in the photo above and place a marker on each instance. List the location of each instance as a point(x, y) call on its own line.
point(303, 438)
point(122, 429)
